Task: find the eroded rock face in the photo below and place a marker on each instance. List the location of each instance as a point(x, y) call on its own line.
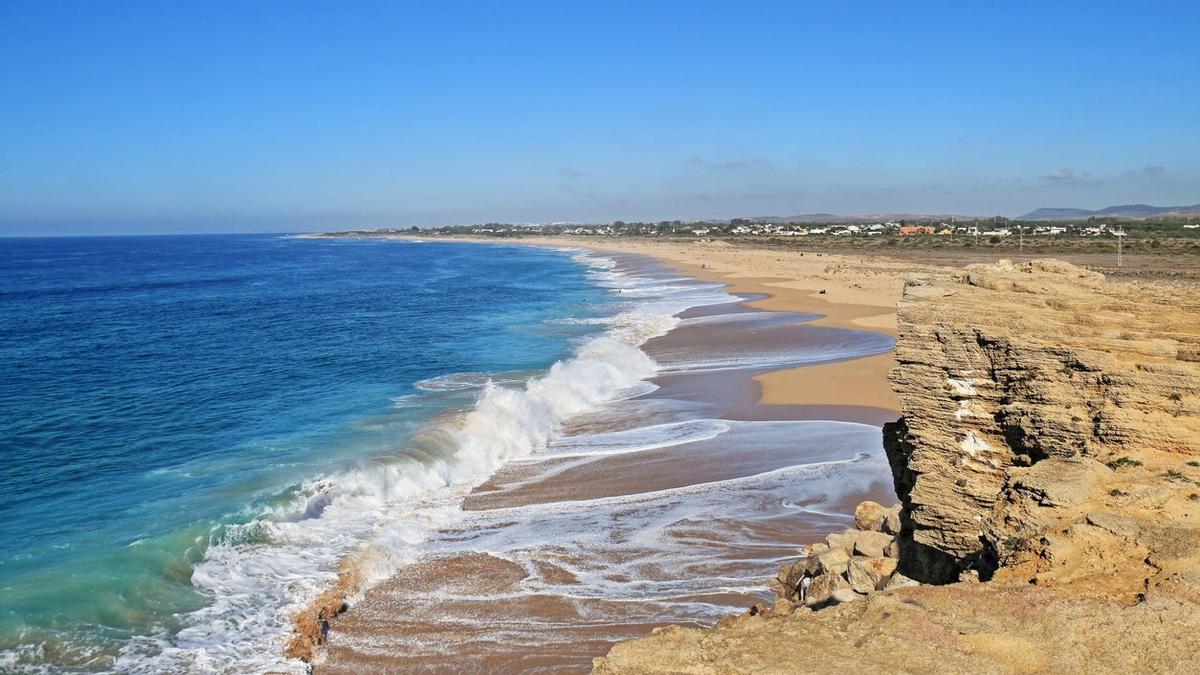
point(1048, 458)
point(1003, 367)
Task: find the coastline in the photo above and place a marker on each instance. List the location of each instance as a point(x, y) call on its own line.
point(845, 293)
point(848, 291)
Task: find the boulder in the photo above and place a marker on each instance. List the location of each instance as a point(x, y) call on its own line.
point(891, 524)
point(842, 540)
point(790, 576)
point(869, 516)
point(870, 574)
point(821, 590)
point(816, 548)
point(893, 549)
point(843, 595)
point(783, 607)
point(872, 544)
point(833, 562)
point(899, 581)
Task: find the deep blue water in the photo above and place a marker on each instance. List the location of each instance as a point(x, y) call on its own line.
point(156, 388)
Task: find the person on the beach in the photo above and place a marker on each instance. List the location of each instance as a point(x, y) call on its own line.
point(804, 587)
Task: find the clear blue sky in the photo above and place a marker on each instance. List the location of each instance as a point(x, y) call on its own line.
point(283, 116)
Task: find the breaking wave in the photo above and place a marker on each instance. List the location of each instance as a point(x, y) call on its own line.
point(259, 574)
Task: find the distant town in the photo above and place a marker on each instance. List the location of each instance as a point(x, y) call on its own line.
point(993, 230)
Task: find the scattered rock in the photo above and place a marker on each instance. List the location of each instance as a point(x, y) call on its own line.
point(891, 524)
point(893, 549)
point(869, 516)
point(869, 574)
point(898, 580)
point(821, 590)
point(842, 540)
point(833, 562)
point(843, 595)
point(872, 544)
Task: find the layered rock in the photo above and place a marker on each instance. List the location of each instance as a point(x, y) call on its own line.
point(1004, 367)
point(1050, 447)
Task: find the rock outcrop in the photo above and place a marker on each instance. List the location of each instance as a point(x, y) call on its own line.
point(1049, 447)
point(847, 566)
point(1018, 383)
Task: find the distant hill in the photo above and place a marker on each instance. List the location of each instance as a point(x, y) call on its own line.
point(1136, 211)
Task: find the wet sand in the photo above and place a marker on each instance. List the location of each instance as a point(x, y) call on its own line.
point(563, 554)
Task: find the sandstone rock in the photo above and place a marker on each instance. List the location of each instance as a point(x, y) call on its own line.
point(843, 595)
point(872, 544)
point(869, 574)
point(1122, 526)
point(833, 562)
point(782, 607)
point(1017, 382)
point(891, 524)
point(1023, 364)
point(822, 588)
point(898, 580)
point(842, 540)
point(869, 516)
point(807, 566)
point(893, 549)
point(816, 548)
point(1059, 482)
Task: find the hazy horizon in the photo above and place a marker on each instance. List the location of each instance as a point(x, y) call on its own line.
point(145, 118)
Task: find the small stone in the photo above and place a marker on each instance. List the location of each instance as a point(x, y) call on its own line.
point(899, 581)
point(891, 524)
point(872, 544)
point(820, 591)
point(869, 574)
point(782, 607)
point(968, 576)
point(843, 595)
point(833, 562)
point(893, 549)
point(782, 576)
point(869, 516)
point(843, 540)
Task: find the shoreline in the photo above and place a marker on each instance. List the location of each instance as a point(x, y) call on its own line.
point(829, 284)
point(851, 389)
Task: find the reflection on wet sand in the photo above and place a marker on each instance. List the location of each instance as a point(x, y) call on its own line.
point(674, 506)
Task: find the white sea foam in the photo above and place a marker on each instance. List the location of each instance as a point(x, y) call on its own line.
point(392, 510)
point(636, 440)
point(258, 575)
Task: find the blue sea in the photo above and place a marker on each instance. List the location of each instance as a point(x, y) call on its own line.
point(201, 434)
point(177, 411)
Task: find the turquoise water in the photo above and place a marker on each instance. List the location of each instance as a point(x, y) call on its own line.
point(175, 409)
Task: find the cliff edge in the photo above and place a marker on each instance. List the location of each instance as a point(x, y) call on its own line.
point(1048, 463)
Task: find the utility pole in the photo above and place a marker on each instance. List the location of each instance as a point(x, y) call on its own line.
point(1021, 237)
point(1120, 236)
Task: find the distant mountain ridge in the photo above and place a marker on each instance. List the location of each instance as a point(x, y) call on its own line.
point(1136, 211)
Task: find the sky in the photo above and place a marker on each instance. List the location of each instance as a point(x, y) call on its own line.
point(162, 117)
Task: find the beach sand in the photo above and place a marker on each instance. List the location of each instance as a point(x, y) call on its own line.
point(549, 606)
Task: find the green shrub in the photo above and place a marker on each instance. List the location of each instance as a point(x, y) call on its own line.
point(1121, 462)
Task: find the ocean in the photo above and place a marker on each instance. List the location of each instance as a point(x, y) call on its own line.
point(197, 429)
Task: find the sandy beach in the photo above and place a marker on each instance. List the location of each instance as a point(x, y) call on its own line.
point(783, 438)
point(848, 291)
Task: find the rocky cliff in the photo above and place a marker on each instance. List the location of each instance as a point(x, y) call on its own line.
point(1049, 447)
